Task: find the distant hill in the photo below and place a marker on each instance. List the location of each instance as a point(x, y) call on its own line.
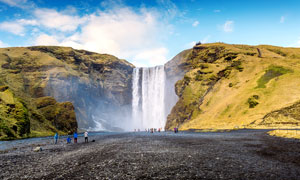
point(42, 87)
point(230, 86)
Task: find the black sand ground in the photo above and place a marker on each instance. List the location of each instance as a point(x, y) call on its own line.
point(244, 154)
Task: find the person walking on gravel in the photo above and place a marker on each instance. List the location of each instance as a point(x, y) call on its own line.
point(86, 140)
point(175, 130)
point(75, 137)
point(55, 138)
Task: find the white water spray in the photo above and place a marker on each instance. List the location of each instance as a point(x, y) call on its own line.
point(148, 98)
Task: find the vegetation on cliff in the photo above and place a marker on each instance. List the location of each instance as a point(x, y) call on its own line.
point(231, 86)
point(42, 87)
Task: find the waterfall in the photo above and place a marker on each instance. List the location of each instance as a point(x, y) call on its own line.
point(148, 98)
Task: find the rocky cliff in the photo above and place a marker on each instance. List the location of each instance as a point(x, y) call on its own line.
point(235, 86)
point(43, 87)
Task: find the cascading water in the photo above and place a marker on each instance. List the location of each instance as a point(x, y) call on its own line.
point(148, 97)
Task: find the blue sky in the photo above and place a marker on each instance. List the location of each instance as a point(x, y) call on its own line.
point(148, 32)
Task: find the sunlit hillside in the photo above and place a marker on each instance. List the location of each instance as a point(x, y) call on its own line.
point(230, 86)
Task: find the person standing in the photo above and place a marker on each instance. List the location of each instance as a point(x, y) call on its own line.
point(86, 140)
point(69, 139)
point(55, 138)
point(75, 137)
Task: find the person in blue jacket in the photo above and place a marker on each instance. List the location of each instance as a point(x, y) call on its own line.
point(75, 137)
point(55, 138)
point(69, 139)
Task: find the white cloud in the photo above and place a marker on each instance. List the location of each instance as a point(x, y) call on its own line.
point(17, 27)
point(217, 11)
point(135, 35)
point(52, 19)
point(228, 26)
point(153, 57)
point(13, 27)
point(2, 44)
point(196, 23)
point(45, 39)
point(125, 34)
point(122, 32)
point(18, 3)
point(282, 19)
point(47, 18)
point(27, 22)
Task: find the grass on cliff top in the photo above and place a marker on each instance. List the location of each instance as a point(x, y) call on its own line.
point(55, 54)
point(64, 52)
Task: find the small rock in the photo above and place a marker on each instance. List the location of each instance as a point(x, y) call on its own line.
point(37, 149)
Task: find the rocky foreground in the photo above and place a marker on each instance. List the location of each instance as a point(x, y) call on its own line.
point(247, 154)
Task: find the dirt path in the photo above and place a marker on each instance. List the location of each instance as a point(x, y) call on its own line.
point(235, 155)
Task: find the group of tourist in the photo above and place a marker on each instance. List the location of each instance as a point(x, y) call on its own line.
point(86, 140)
point(69, 139)
point(153, 130)
point(175, 130)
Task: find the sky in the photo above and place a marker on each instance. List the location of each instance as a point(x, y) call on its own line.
point(148, 32)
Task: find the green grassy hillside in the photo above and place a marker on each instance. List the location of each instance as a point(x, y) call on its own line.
point(42, 87)
point(230, 86)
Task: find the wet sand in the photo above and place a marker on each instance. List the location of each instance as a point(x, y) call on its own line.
point(246, 154)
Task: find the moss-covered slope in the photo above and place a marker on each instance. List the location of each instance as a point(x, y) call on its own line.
point(43, 86)
point(229, 86)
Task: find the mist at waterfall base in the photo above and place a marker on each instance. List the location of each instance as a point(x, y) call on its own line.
point(153, 96)
point(97, 109)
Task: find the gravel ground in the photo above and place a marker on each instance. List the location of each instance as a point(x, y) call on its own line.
point(246, 154)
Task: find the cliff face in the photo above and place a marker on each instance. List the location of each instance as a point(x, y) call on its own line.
point(229, 86)
point(175, 70)
point(87, 83)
